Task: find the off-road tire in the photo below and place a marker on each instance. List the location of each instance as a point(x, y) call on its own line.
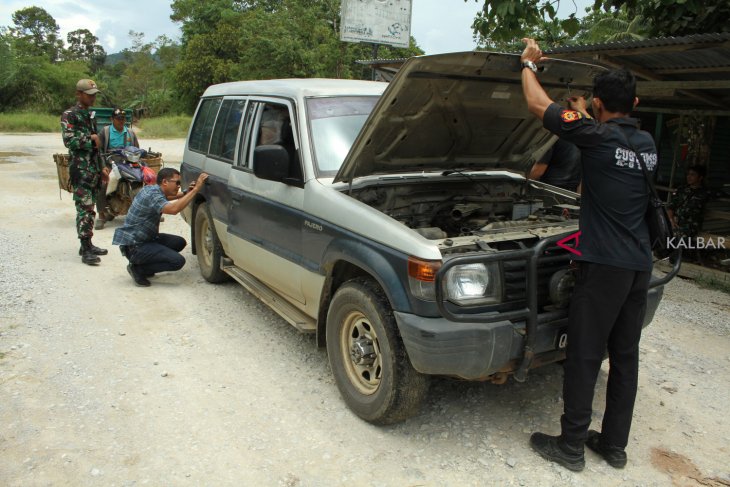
point(208, 247)
point(389, 390)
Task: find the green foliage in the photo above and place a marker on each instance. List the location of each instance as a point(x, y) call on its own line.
point(507, 21)
point(35, 84)
point(36, 72)
point(601, 26)
point(228, 40)
point(170, 127)
point(22, 122)
point(36, 33)
point(83, 46)
point(223, 40)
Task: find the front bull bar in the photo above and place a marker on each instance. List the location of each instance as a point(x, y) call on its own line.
point(529, 312)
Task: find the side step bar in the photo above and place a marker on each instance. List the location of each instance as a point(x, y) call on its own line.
point(295, 317)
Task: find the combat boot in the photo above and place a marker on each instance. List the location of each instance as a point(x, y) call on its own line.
point(91, 248)
point(87, 254)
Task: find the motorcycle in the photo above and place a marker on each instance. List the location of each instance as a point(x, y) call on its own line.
point(128, 175)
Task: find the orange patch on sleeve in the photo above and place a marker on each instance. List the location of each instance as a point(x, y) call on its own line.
point(570, 115)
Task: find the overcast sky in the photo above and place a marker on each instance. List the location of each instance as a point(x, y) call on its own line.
point(437, 25)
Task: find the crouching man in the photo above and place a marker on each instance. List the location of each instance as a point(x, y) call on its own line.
point(140, 240)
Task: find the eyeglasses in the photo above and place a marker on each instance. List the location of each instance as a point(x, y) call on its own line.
point(175, 181)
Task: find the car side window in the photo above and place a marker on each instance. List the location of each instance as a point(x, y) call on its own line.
point(203, 125)
point(245, 137)
point(225, 134)
point(275, 128)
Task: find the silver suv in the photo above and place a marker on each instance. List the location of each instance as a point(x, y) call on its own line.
point(394, 220)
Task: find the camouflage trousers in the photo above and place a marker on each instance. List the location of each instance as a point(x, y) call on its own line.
point(84, 196)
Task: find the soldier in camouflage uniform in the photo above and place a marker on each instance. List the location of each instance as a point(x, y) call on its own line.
point(686, 207)
point(78, 128)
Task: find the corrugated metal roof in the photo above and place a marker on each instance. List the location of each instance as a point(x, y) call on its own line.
point(674, 74)
point(681, 42)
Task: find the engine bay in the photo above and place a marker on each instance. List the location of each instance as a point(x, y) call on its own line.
point(461, 210)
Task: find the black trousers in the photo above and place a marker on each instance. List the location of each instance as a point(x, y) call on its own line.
point(606, 313)
point(159, 255)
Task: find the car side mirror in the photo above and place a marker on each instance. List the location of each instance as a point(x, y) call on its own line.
point(271, 162)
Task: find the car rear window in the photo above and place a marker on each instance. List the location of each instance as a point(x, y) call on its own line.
point(203, 125)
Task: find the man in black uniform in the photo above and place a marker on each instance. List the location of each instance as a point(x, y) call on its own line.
point(609, 302)
point(559, 166)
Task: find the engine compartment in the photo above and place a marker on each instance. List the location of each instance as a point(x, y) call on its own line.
point(461, 209)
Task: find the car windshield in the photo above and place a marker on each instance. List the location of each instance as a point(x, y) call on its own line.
point(334, 123)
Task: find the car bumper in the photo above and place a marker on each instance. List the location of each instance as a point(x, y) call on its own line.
point(473, 350)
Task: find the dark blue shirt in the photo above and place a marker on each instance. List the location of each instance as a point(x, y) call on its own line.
point(142, 223)
point(563, 165)
point(614, 194)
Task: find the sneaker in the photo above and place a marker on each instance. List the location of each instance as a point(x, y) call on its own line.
point(139, 279)
point(614, 455)
point(557, 450)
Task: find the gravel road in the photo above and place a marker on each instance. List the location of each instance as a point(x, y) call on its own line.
point(187, 383)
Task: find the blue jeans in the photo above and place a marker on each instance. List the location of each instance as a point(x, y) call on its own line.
point(160, 255)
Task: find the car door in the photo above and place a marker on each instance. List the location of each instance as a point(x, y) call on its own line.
point(221, 154)
point(266, 220)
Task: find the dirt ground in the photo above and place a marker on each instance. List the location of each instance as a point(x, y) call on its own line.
point(188, 383)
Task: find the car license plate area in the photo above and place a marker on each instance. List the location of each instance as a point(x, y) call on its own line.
point(561, 339)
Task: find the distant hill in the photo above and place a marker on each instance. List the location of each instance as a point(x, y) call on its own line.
point(117, 57)
point(112, 59)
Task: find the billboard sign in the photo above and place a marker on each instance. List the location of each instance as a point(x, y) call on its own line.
point(376, 21)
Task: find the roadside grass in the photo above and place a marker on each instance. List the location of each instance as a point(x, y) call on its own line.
point(172, 127)
point(711, 282)
point(20, 122)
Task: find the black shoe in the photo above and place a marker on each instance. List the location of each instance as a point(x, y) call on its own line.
point(614, 455)
point(139, 279)
point(557, 450)
point(89, 258)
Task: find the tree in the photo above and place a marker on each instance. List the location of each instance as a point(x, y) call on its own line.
point(263, 39)
point(606, 27)
point(84, 46)
point(507, 20)
point(36, 33)
point(680, 17)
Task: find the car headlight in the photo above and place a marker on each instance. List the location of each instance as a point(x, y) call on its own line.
point(473, 284)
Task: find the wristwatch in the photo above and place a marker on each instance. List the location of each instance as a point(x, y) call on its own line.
point(529, 65)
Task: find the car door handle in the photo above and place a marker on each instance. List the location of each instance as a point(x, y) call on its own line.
point(236, 197)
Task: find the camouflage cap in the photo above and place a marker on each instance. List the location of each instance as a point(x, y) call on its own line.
point(88, 86)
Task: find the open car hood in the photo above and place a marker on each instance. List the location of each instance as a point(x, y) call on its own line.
point(461, 110)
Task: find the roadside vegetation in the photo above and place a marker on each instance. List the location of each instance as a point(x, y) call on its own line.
point(228, 40)
point(167, 127)
point(22, 122)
